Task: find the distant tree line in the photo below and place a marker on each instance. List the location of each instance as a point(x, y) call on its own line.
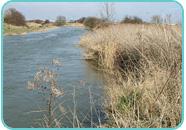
point(107, 11)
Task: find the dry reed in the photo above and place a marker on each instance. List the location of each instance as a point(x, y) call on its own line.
point(146, 61)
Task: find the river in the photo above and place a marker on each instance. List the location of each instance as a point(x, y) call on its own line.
point(23, 55)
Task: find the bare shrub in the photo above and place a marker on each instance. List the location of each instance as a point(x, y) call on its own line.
point(13, 17)
point(156, 19)
point(93, 22)
point(132, 20)
point(60, 21)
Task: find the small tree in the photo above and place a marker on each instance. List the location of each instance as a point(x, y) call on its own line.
point(107, 11)
point(157, 19)
point(47, 21)
point(132, 20)
point(13, 17)
point(93, 22)
point(60, 21)
point(137, 20)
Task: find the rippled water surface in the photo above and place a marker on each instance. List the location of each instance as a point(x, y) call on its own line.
point(23, 55)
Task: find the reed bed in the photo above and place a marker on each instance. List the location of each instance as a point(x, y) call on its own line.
point(145, 61)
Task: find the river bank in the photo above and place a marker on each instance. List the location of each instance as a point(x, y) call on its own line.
point(22, 30)
point(33, 27)
point(79, 25)
point(146, 64)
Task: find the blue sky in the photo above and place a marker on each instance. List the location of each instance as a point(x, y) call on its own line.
point(75, 10)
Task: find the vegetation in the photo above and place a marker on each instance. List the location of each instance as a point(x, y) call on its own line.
point(13, 17)
point(156, 19)
point(55, 114)
point(60, 21)
point(93, 22)
point(46, 80)
point(132, 20)
point(107, 11)
point(80, 25)
point(47, 21)
point(20, 30)
point(145, 62)
point(14, 24)
point(81, 20)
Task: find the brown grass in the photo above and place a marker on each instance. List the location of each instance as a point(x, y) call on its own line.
point(146, 61)
point(79, 25)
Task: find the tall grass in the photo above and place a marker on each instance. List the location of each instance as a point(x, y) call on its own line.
point(146, 61)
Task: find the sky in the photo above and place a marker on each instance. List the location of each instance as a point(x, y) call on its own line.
point(76, 10)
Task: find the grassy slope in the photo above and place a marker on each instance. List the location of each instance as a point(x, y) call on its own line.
point(19, 30)
point(146, 61)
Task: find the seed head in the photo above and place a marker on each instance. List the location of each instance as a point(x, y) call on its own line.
point(31, 85)
point(56, 92)
point(56, 62)
point(46, 79)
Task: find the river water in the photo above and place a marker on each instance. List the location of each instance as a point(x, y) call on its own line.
point(23, 55)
